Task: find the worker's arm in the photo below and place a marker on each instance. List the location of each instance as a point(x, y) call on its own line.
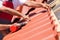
point(35, 4)
point(12, 11)
point(5, 26)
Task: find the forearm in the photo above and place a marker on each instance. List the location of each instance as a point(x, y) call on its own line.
point(33, 4)
point(11, 11)
point(4, 26)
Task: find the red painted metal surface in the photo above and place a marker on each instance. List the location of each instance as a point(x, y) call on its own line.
point(39, 28)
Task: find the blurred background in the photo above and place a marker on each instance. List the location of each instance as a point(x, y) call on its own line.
point(55, 5)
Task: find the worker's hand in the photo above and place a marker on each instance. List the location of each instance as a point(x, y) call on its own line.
point(26, 17)
point(48, 6)
point(45, 5)
point(16, 24)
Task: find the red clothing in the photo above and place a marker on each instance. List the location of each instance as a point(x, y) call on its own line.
point(6, 15)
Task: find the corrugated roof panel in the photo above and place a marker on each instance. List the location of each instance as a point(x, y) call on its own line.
point(39, 28)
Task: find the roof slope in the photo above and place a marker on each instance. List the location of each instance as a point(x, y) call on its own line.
point(41, 27)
